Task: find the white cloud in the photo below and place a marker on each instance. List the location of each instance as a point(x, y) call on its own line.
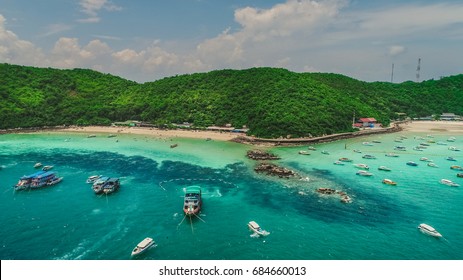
point(396, 50)
point(17, 51)
point(92, 7)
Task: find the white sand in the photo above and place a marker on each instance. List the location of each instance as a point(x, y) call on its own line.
point(433, 126)
point(154, 132)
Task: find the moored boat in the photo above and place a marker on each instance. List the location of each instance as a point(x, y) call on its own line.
point(364, 173)
point(451, 159)
point(460, 175)
point(456, 167)
point(37, 165)
point(412, 163)
point(367, 144)
point(452, 148)
point(192, 201)
point(429, 230)
point(449, 183)
point(26, 181)
point(362, 166)
point(54, 181)
point(432, 164)
point(92, 179)
point(400, 148)
point(173, 145)
point(344, 159)
point(338, 162)
point(325, 152)
point(391, 155)
point(369, 157)
point(111, 185)
point(389, 182)
point(384, 168)
point(253, 226)
point(312, 148)
point(99, 184)
point(47, 167)
point(357, 151)
point(302, 152)
point(144, 245)
point(43, 180)
point(424, 159)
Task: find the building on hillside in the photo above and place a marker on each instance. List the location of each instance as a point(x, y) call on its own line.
point(449, 117)
point(368, 122)
point(127, 123)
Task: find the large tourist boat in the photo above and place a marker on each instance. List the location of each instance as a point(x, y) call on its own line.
point(429, 230)
point(37, 180)
point(25, 181)
point(192, 202)
point(111, 185)
point(254, 227)
point(99, 184)
point(144, 245)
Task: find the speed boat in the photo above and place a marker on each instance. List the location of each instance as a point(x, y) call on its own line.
point(364, 173)
point(362, 166)
point(254, 227)
point(389, 182)
point(144, 245)
point(429, 230)
point(449, 183)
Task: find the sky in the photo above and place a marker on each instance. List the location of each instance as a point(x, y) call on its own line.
point(146, 40)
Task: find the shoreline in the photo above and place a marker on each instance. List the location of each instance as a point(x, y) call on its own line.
point(415, 126)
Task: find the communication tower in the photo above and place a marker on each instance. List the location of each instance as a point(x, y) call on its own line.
point(418, 68)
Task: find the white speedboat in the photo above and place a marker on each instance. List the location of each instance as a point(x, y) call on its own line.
point(47, 167)
point(432, 164)
point(54, 181)
point(362, 166)
point(144, 245)
point(449, 183)
point(369, 157)
point(429, 230)
point(37, 165)
point(338, 162)
point(92, 179)
point(389, 182)
point(253, 226)
point(302, 152)
point(364, 173)
point(384, 168)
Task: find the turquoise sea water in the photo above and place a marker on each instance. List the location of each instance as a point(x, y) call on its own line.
point(68, 221)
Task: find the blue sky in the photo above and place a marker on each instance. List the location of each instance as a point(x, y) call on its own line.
point(145, 40)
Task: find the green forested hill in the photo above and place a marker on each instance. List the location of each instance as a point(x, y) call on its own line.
point(271, 102)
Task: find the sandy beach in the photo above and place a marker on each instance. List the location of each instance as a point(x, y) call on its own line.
point(433, 126)
point(415, 126)
point(153, 132)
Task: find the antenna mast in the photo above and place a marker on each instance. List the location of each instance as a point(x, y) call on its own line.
point(392, 73)
point(418, 68)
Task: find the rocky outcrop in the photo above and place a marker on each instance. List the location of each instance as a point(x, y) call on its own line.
point(275, 170)
point(261, 155)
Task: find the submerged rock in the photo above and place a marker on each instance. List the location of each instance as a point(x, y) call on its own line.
point(261, 155)
point(272, 169)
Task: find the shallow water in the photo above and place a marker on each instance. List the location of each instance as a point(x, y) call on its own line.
point(68, 221)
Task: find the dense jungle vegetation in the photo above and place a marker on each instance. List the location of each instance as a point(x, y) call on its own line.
point(271, 102)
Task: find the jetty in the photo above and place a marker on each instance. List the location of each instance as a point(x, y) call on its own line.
point(312, 140)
